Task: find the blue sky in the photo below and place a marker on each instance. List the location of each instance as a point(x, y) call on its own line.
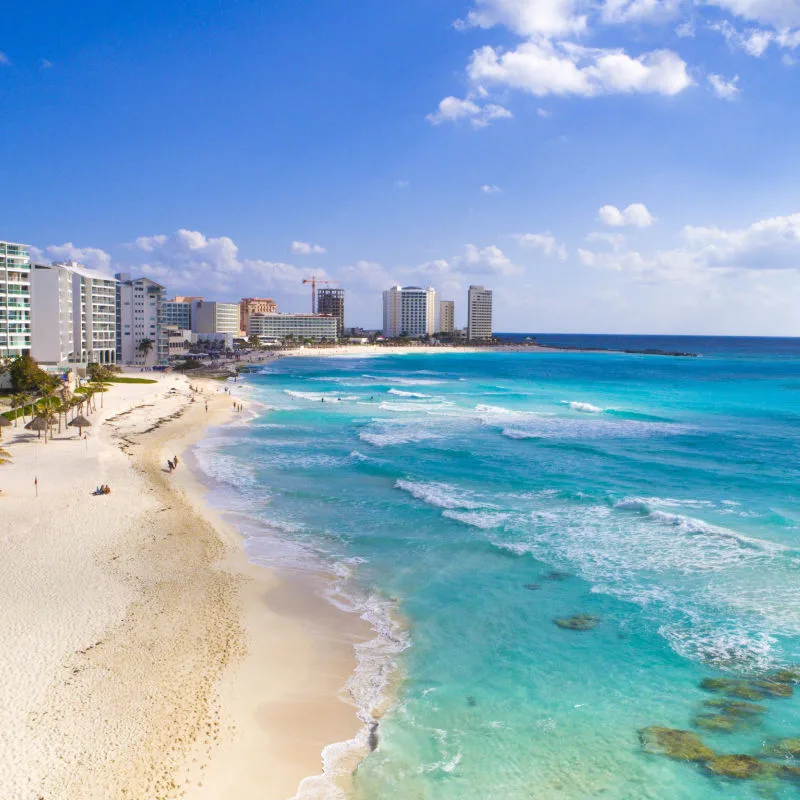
point(607, 166)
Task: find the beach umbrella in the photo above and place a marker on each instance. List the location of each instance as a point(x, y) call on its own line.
point(4, 423)
point(38, 424)
point(80, 423)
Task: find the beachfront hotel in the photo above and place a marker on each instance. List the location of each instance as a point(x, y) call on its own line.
point(276, 327)
point(139, 319)
point(52, 314)
point(94, 314)
point(254, 305)
point(15, 300)
point(209, 316)
point(447, 316)
point(331, 301)
point(479, 314)
point(178, 312)
point(410, 311)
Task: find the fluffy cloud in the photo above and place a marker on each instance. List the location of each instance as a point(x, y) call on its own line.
point(617, 11)
point(366, 275)
point(635, 215)
point(528, 17)
point(92, 257)
point(307, 249)
point(487, 260)
point(767, 246)
point(544, 242)
point(727, 90)
point(490, 189)
point(781, 14)
point(189, 261)
point(565, 68)
point(452, 109)
point(4, 59)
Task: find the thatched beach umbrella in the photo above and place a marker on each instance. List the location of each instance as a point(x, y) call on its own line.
point(80, 422)
point(39, 424)
point(5, 422)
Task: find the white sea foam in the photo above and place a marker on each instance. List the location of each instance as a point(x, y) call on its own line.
point(388, 435)
point(401, 393)
point(399, 381)
point(478, 519)
point(328, 397)
point(588, 408)
point(441, 495)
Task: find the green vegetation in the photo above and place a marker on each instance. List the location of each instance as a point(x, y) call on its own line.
point(27, 376)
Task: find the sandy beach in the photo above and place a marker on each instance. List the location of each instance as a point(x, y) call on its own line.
point(149, 658)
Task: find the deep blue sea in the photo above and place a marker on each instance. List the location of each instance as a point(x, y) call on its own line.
point(467, 501)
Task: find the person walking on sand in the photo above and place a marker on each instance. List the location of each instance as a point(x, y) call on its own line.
point(175, 460)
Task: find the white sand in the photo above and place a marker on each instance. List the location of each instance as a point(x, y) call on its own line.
point(145, 657)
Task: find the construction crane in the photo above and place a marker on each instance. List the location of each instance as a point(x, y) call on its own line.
point(314, 280)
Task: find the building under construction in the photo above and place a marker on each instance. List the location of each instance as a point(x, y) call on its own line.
point(331, 301)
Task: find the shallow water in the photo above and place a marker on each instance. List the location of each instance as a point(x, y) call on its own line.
point(484, 496)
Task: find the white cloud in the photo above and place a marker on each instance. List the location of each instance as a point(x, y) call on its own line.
point(756, 41)
point(528, 17)
point(727, 90)
point(92, 257)
point(402, 184)
point(617, 11)
point(46, 64)
point(452, 109)
point(488, 188)
point(489, 259)
point(781, 14)
point(565, 68)
point(544, 242)
point(366, 275)
point(4, 59)
point(307, 249)
point(636, 215)
point(685, 30)
point(544, 113)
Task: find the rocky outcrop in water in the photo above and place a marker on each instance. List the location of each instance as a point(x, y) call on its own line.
point(578, 622)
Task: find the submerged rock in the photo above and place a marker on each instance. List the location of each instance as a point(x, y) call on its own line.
point(674, 743)
point(740, 767)
point(790, 675)
point(555, 575)
point(785, 748)
point(774, 688)
point(735, 708)
point(717, 722)
point(734, 687)
point(579, 622)
point(533, 586)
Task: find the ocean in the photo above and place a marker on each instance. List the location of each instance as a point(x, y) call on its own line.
point(555, 551)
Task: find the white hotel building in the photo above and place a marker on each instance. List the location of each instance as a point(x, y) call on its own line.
point(15, 300)
point(52, 314)
point(410, 311)
point(479, 314)
point(139, 318)
point(276, 327)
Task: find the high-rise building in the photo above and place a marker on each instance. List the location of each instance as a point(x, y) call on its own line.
point(15, 300)
point(178, 312)
point(410, 311)
point(447, 316)
point(209, 316)
point(94, 314)
point(479, 314)
point(52, 314)
point(275, 327)
point(254, 305)
point(139, 319)
point(331, 301)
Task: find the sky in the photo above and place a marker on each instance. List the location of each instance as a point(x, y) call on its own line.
point(605, 166)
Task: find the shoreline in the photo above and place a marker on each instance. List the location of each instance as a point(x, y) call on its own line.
point(151, 658)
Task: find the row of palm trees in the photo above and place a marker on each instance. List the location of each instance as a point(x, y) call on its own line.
point(56, 405)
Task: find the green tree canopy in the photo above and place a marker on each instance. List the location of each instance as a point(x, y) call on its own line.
point(27, 376)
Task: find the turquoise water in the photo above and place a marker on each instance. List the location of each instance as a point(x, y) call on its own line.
point(480, 497)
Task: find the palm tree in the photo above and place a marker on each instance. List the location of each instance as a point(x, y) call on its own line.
point(144, 348)
point(5, 456)
point(19, 401)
